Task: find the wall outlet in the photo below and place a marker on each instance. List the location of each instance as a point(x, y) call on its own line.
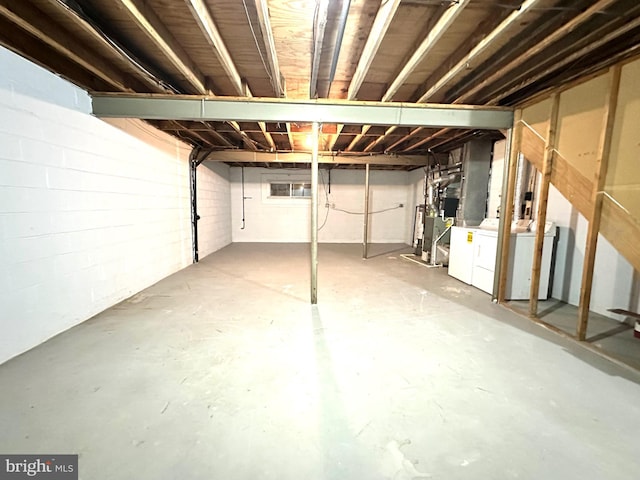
point(400, 205)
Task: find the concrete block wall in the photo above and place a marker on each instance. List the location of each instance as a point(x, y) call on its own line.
point(287, 220)
point(214, 207)
point(89, 214)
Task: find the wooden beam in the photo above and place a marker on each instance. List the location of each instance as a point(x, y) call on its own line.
point(109, 45)
point(506, 207)
point(543, 198)
point(221, 139)
point(383, 19)
point(326, 157)
point(435, 33)
point(22, 43)
point(421, 142)
point(33, 21)
point(565, 60)
point(203, 18)
point(461, 66)
point(155, 30)
point(602, 163)
point(441, 26)
point(476, 51)
point(262, 10)
point(536, 49)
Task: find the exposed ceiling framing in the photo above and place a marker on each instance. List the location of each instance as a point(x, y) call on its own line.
point(479, 52)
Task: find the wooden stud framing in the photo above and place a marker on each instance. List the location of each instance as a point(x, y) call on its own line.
point(602, 163)
point(506, 207)
point(543, 197)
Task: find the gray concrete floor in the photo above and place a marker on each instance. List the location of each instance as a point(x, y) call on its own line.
point(224, 371)
point(610, 337)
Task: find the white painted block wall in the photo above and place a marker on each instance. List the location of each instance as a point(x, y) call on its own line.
point(287, 220)
point(614, 284)
point(89, 214)
point(214, 207)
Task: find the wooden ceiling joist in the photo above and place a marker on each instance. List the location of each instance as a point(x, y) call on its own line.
point(262, 10)
point(383, 19)
point(438, 30)
point(210, 31)
point(441, 26)
point(596, 8)
point(380, 26)
point(27, 17)
point(152, 83)
point(324, 157)
point(155, 30)
point(202, 16)
point(474, 53)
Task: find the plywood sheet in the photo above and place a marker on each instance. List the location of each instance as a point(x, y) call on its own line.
point(532, 147)
point(623, 174)
point(621, 230)
point(573, 185)
point(580, 123)
point(537, 116)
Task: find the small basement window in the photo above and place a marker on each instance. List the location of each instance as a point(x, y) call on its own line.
point(290, 190)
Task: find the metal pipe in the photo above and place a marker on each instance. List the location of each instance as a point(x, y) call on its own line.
point(242, 174)
point(193, 183)
point(314, 215)
point(365, 238)
point(346, 4)
point(319, 24)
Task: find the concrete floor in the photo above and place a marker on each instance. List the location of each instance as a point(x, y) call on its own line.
point(608, 336)
point(224, 371)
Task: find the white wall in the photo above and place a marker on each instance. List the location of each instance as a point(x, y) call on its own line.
point(613, 281)
point(214, 207)
point(89, 214)
point(287, 220)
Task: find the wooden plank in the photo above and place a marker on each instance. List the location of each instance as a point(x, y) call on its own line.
point(532, 146)
point(210, 31)
point(543, 198)
point(602, 163)
point(621, 230)
point(262, 12)
point(434, 34)
point(572, 184)
point(504, 28)
point(376, 35)
point(324, 157)
point(623, 175)
point(506, 207)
